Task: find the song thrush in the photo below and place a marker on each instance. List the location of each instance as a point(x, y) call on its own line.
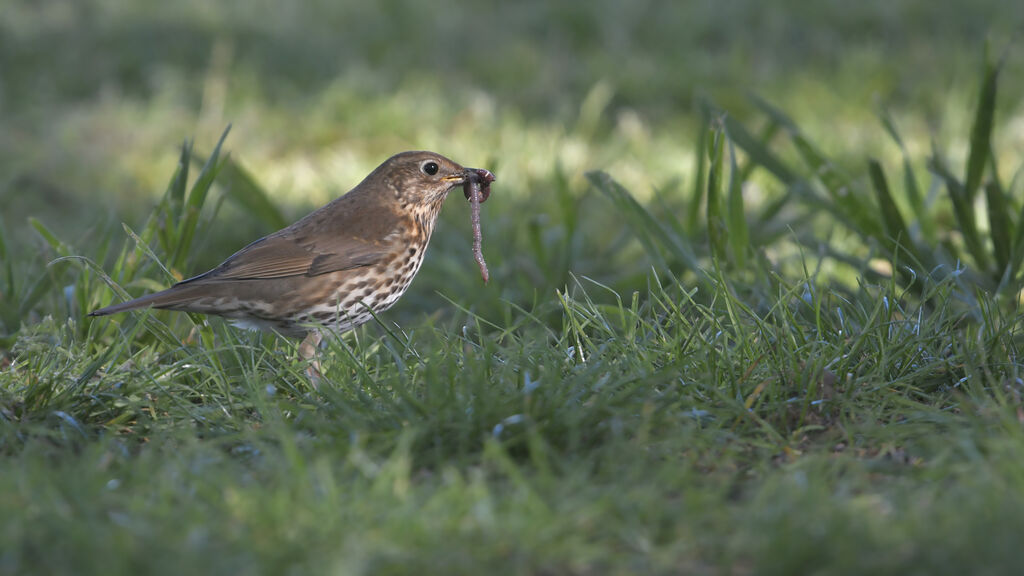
point(335, 268)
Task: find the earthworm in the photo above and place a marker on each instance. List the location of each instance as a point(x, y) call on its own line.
point(477, 189)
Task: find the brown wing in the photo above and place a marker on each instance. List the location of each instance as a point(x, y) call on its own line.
point(323, 242)
point(351, 232)
point(276, 256)
point(283, 256)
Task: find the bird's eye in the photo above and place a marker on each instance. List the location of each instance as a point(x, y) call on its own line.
point(430, 168)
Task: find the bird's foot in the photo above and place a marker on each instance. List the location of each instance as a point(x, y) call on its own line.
point(308, 351)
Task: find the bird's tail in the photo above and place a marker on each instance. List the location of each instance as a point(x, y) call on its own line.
point(174, 297)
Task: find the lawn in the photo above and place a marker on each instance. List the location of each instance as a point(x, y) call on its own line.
point(754, 305)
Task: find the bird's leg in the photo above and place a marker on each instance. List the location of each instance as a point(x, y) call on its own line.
point(308, 351)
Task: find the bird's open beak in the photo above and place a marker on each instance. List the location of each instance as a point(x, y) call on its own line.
point(482, 175)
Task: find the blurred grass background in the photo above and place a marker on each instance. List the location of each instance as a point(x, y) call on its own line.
point(98, 94)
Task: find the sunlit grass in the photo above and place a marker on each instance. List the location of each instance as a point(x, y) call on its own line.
point(316, 104)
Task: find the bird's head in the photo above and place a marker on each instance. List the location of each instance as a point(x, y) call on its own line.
point(425, 178)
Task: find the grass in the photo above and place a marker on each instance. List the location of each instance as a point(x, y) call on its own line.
point(829, 428)
point(723, 334)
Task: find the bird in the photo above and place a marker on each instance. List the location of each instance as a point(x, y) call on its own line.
point(335, 268)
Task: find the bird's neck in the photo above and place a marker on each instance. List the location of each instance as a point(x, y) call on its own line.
point(425, 217)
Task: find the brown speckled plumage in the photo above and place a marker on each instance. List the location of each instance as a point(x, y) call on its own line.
point(330, 270)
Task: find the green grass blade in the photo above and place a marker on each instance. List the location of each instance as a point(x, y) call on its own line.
point(40, 288)
point(640, 221)
point(963, 211)
point(910, 185)
point(758, 152)
point(895, 227)
point(48, 279)
point(1000, 227)
point(240, 186)
point(1017, 251)
point(838, 185)
point(913, 191)
point(700, 172)
point(736, 214)
point(194, 204)
point(168, 213)
point(3, 244)
point(142, 246)
point(155, 327)
point(8, 263)
point(179, 182)
point(981, 131)
point(890, 126)
point(715, 221)
point(765, 137)
point(649, 232)
point(55, 243)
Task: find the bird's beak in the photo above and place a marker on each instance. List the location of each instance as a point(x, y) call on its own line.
point(481, 175)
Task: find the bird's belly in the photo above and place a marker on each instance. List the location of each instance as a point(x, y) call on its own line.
point(355, 301)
